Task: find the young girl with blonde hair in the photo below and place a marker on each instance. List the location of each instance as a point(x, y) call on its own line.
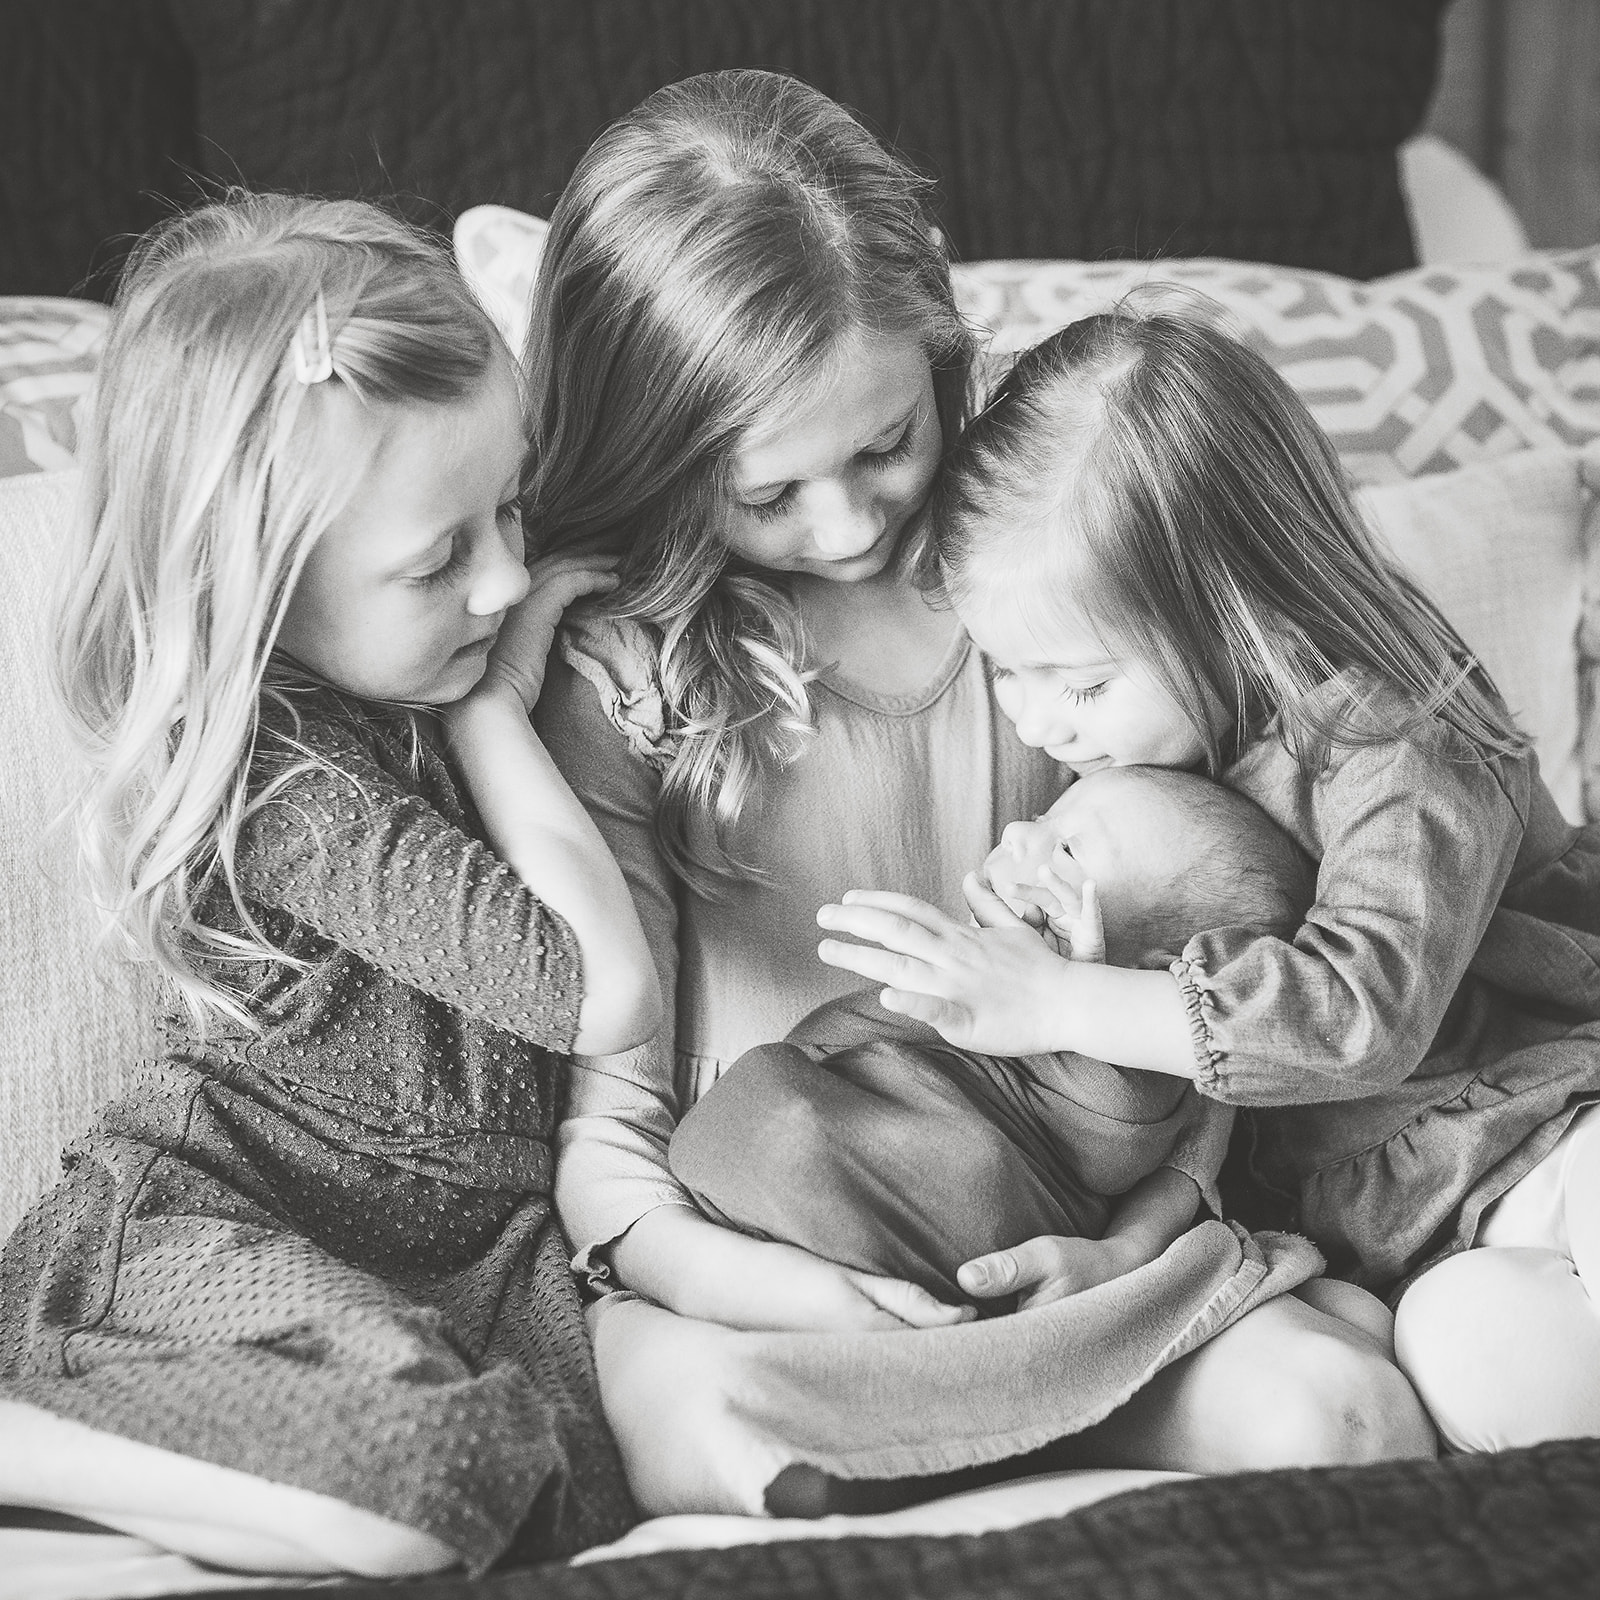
point(1154, 541)
point(744, 363)
point(300, 1303)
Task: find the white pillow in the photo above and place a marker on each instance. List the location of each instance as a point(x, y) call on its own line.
point(76, 1017)
point(498, 250)
point(1503, 548)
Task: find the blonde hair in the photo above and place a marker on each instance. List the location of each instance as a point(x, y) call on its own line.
point(712, 253)
point(204, 490)
point(1147, 470)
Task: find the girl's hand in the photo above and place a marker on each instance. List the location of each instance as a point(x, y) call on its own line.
point(702, 1269)
point(522, 647)
point(994, 987)
point(817, 1296)
point(1048, 1268)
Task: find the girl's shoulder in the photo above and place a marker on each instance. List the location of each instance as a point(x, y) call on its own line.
point(618, 659)
point(1358, 711)
point(310, 721)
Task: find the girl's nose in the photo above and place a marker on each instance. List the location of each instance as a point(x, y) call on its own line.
point(847, 520)
point(500, 583)
point(1038, 720)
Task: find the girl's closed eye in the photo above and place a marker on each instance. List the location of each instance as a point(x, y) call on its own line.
point(1082, 697)
point(771, 509)
point(899, 450)
point(453, 563)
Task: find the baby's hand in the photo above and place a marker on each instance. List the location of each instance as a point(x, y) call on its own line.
point(1073, 927)
point(1013, 866)
point(1032, 870)
point(522, 647)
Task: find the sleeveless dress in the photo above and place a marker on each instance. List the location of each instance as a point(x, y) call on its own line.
point(326, 1254)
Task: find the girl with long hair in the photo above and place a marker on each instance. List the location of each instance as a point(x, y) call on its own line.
point(744, 364)
point(300, 1302)
point(1154, 542)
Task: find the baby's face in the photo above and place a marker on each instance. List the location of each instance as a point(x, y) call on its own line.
point(1113, 830)
point(1132, 841)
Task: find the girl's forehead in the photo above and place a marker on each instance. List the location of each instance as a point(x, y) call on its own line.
point(866, 385)
point(1017, 630)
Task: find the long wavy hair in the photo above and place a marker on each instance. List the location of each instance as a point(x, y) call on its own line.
point(206, 483)
point(1146, 470)
point(708, 260)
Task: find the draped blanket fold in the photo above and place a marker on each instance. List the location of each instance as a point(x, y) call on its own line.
point(918, 1402)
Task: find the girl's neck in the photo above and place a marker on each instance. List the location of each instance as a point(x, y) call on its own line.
point(881, 634)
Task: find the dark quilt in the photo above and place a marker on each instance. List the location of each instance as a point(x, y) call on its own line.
point(1516, 1526)
point(1257, 129)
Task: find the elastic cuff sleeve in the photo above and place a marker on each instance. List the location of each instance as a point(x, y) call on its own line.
point(1208, 1058)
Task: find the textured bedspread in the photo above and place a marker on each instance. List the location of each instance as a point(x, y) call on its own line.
point(1510, 1527)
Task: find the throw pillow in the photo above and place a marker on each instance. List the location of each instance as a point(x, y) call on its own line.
point(77, 1017)
point(1424, 371)
point(48, 351)
point(1503, 547)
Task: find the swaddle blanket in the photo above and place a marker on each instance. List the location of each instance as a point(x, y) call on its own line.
point(707, 1417)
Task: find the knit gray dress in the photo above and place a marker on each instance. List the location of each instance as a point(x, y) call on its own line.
point(325, 1254)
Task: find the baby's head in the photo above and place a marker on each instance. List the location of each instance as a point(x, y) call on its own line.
point(1173, 854)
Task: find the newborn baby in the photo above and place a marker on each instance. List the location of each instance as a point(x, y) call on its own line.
point(867, 1139)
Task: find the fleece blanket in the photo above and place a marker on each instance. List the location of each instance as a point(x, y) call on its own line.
point(707, 1417)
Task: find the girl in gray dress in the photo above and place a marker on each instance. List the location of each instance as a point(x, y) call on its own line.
point(1153, 540)
point(300, 1302)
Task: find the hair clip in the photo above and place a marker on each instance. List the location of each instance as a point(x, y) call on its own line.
point(313, 350)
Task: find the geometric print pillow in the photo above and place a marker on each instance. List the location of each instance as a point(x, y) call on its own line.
point(48, 351)
point(1424, 371)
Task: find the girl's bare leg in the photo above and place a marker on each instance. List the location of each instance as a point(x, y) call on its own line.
point(1288, 1385)
point(211, 1513)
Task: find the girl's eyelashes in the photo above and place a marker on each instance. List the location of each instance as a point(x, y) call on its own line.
point(451, 565)
point(898, 451)
point(874, 460)
point(1081, 697)
point(771, 510)
point(510, 511)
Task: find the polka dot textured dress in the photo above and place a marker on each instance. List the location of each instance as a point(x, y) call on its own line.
point(325, 1254)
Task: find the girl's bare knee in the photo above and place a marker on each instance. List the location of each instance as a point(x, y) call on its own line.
point(1333, 1400)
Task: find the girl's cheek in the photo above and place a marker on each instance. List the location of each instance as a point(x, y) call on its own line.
point(1010, 698)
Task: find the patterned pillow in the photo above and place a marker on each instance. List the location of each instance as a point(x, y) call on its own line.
point(48, 351)
point(1424, 371)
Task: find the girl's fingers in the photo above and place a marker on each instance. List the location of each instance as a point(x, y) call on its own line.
point(920, 934)
point(910, 1302)
point(902, 905)
point(989, 1276)
point(878, 966)
point(1017, 1270)
point(928, 1008)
